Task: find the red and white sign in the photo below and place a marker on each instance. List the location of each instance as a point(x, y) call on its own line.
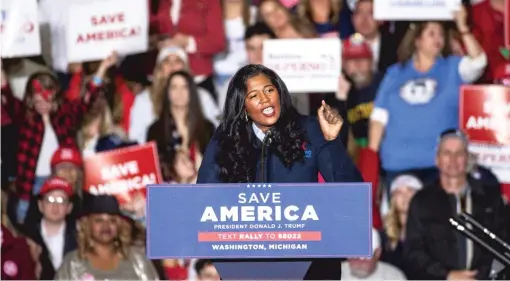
point(19, 28)
point(304, 71)
point(98, 27)
point(123, 172)
point(485, 118)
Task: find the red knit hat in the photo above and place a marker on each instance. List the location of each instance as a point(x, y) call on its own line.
point(356, 48)
point(66, 154)
point(56, 183)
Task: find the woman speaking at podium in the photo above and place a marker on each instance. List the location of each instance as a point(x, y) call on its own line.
point(262, 138)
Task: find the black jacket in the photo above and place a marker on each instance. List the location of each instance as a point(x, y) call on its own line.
point(327, 157)
point(70, 244)
point(430, 248)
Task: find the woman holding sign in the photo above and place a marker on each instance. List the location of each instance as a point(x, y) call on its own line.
point(262, 138)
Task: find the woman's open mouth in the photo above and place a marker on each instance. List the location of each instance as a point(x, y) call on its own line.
point(268, 111)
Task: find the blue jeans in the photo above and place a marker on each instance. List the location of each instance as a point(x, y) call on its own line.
point(22, 208)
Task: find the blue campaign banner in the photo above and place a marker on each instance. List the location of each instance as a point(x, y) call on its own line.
point(259, 220)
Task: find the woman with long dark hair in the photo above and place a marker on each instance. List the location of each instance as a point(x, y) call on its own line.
point(181, 123)
point(259, 114)
point(262, 138)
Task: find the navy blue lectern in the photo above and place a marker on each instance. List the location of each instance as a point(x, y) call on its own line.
point(262, 231)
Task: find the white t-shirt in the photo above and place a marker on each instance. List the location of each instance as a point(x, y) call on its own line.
point(55, 245)
point(383, 271)
point(48, 147)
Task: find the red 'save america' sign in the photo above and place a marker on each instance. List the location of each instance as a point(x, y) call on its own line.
point(123, 172)
point(485, 118)
point(485, 114)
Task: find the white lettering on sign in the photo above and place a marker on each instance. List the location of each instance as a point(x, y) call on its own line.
point(120, 170)
point(123, 185)
point(259, 213)
point(496, 108)
point(486, 123)
point(260, 198)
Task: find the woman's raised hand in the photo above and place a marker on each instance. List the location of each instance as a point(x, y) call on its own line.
point(330, 122)
point(108, 62)
point(460, 17)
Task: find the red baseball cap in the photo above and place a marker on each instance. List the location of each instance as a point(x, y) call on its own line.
point(56, 183)
point(66, 154)
point(356, 48)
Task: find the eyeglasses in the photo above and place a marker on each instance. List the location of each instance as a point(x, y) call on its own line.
point(56, 200)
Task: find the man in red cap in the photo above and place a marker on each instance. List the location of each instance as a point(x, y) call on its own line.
point(357, 89)
point(67, 163)
point(55, 232)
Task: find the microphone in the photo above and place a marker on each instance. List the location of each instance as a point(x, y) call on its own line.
point(464, 230)
point(269, 136)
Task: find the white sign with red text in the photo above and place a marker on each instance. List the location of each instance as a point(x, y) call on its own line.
point(19, 28)
point(415, 10)
point(305, 65)
point(97, 27)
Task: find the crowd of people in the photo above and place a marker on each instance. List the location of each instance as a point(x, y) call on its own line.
point(398, 95)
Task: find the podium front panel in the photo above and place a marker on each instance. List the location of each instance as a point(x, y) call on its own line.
point(254, 221)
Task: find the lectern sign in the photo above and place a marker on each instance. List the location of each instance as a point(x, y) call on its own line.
point(259, 221)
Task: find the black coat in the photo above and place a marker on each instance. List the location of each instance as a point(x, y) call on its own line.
point(430, 248)
point(70, 244)
point(327, 157)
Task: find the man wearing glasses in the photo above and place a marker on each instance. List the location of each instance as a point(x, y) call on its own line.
point(433, 249)
point(55, 232)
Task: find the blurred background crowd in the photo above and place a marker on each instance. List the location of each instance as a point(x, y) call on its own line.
point(55, 114)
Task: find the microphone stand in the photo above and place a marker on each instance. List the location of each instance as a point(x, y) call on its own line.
point(469, 219)
point(502, 254)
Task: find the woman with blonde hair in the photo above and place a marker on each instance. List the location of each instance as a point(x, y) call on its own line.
point(97, 125)
point(105, 248)
point(329, 17)
point(402, 191)
point(282, 22)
